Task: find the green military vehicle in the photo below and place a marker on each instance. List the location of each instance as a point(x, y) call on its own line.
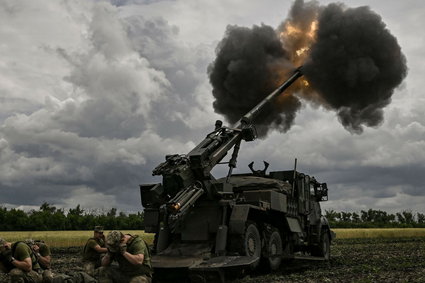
point(207, 228)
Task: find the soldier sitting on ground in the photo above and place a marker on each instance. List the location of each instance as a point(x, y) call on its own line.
point(133, 257)
point(93, 250)
point(42, 252)
point(19, 261)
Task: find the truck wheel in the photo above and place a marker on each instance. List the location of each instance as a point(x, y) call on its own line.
point(274, 246)
point(252, 241)
point(249, 244)
point(324, 249)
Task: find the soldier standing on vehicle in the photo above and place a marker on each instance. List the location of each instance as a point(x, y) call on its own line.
point(93, 250)
point(20, 262)
point(133, 257)
point(43, 254)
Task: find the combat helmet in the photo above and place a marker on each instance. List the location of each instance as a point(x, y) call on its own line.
point(113, 240)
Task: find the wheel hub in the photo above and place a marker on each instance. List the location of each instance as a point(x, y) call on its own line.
point(251, 246)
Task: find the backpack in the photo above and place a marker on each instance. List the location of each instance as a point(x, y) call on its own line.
point(34, 260)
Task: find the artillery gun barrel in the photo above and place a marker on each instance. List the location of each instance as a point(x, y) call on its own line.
point(248, 118)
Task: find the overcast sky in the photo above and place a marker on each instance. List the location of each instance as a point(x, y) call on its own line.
point(94, 94)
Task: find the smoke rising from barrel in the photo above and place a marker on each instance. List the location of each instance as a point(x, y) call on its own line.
point(247, 68)
point(351, 63)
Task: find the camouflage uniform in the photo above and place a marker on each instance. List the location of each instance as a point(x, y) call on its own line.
point(126, 271)
point(43, 251)
point(91, 258)
point(20, 251)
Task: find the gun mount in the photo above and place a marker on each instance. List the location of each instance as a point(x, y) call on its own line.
point(196, 217)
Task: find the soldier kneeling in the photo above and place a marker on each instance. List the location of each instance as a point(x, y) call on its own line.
point(133, 257)
point(43, 254)
point(93, 250)
point(20, 262)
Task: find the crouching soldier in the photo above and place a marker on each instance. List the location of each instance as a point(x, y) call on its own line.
point(19, 260)
point(133, 257)
point(93, 250)
point(43, 255)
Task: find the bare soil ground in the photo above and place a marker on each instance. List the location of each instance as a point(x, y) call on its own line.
point(358, 260)
point(353, 260)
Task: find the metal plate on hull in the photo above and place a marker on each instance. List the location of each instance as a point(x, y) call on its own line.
point(160, 261)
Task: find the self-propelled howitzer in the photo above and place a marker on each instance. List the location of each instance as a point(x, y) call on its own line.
point(198, 220)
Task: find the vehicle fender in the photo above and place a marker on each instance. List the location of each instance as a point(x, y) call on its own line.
point(238, 218)
point(324, 224)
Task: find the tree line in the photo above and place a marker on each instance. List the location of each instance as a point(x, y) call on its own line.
point(50, 218)
point(375, 219)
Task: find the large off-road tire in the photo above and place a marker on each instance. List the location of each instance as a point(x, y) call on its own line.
point(249, 243)
point(324, 248)
point(274, 247)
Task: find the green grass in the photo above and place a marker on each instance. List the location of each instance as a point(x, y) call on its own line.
point(64, 238)
point(348, 233)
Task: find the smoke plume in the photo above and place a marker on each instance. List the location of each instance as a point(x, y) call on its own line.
point(351, 62)
point(247, 67)
point(355, 64)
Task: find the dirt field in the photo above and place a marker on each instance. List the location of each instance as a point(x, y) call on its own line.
point(353, 260)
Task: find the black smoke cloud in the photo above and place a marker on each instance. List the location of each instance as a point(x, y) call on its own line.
point(355, 65)
point(352, 67)
point(246, 67)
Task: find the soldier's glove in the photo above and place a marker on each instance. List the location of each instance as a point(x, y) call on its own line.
point(123, 248)
point(7, 255)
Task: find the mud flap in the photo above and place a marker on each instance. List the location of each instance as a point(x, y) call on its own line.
point(217, 269)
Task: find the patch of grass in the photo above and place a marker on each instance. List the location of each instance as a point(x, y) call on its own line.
point(63, 239)
point(349, 233)
point(79, 238)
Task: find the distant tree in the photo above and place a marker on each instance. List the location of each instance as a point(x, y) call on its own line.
point(400, 218)
point(408, 217)
point(331, 215)
point(76, 211)
point(420, 218)
point(16, 220)
point(364, 216)
point(47, 208)
point(3, 217)
point(75, 218)
point(355, 217)
point(112, 212)
point(346, 216)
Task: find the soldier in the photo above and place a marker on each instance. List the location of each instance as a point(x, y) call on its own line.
point(42, 252)
point(133, 257)
point(19, 260)
point(93, 249)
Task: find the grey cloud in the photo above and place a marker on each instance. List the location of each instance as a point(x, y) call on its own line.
point(135, 2)
point(100, 137)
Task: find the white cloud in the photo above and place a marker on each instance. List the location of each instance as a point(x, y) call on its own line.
point(88, 198)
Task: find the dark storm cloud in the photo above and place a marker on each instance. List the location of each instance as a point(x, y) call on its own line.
point(355, 64)
point(245, 71)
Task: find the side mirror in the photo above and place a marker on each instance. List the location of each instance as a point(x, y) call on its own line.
point(323, 192)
